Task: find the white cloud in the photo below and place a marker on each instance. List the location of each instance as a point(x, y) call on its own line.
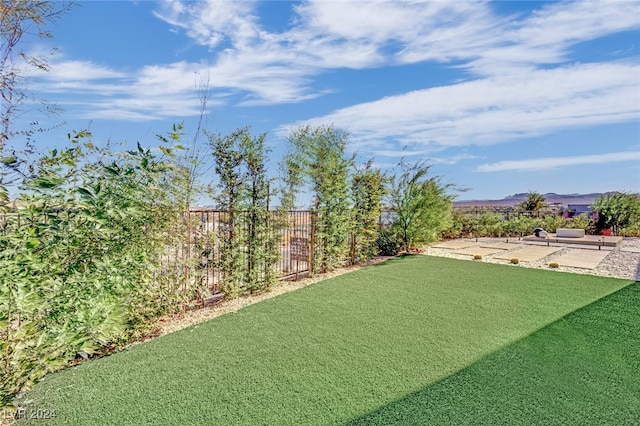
point(455, 159)
point(409, 25)
point(570, 22)
point(214, 22)
point(355, 34)
point(67, 71)
point(91, 91)
point(279, 67)
point(494, 110)
point(537, 164)
point(548, 35)
point(511, 97)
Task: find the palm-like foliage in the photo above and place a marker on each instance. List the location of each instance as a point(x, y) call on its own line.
point(533, 202)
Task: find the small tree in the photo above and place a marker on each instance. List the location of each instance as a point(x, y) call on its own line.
point(317, 157)
point(534, 202)
point(262, 240)
point(617, 211)
point(228, 162)
point(368, 187)
point(422, 206)
point(249, 245)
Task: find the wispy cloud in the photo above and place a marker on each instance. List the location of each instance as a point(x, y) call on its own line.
point(549, 34)
point(280, 67)
point(507, 96)
point(494, 110)
point(72, 70)
point(455, 159)
point(327, 35)
point(537, 164)
point(91, 91)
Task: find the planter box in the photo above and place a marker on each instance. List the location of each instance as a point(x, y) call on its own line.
point(570, 233)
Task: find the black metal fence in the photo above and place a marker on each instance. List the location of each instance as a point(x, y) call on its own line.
point(507, 213)
point(204, 243)
point(292, 230)
point(195, 245)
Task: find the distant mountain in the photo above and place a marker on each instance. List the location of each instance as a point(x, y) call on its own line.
point(551, 198)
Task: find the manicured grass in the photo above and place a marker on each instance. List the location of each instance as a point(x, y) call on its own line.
point(583, 369)
point(366, 347)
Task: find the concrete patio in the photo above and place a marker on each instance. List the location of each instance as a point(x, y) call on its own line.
point(589, 255)
point(581, 258)
point(529, 253)
point(587, 240)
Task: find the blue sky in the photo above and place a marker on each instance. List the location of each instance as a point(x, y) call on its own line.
point(501, 97)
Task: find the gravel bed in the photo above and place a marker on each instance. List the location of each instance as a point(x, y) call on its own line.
point(180, 321)
point(622, 262)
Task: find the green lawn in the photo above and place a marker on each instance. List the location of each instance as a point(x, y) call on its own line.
point(417, 340)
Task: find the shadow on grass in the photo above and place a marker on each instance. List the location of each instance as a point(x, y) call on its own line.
point(394, 259)
point(581, 369)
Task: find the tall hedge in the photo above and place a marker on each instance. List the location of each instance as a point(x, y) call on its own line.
point(320, 160)
point(249, 247)
point(368, 188)
point(80, 261)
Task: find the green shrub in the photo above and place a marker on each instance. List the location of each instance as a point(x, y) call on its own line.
point(422, 205)
point(632, 230)
point(511, 228)
point(318, 158)
point(490, 225)
point(580, 221)
point(524, 224)
point(367, 191)
point(462, 225)
point(387, 243)
point(477, 257)
point(552, 223)
point(248, 249)
point(617, 211)
point(514, 260)
point(80, 268)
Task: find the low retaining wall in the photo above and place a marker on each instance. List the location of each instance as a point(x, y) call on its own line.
point(569, 233)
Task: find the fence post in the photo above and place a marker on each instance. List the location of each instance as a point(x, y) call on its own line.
point(296, 224)
point(353, 248)
point(186, 251)
point(312, 239)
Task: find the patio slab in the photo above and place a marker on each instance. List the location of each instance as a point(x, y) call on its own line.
point(592, 248)
point(529, 253)
point(630, 249)
point(594, 240)
point(581, 258)
point(483, 251)
point(503, 246)
point(455, 244)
